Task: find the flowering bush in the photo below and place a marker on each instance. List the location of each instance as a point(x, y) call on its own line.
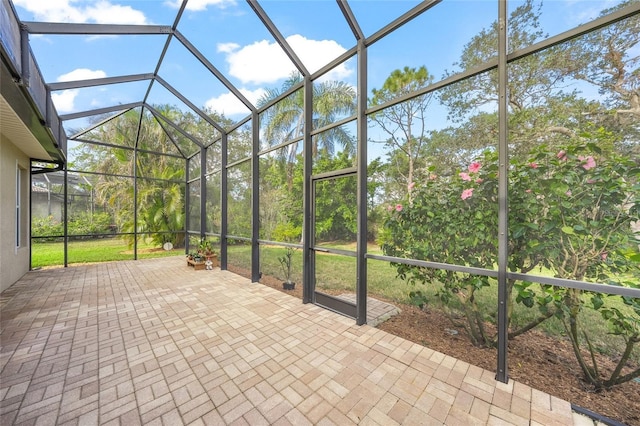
point(570, 212)
point(431, 226)
point(588, 204)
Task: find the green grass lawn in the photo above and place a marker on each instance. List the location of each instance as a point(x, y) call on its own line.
point(90, 251)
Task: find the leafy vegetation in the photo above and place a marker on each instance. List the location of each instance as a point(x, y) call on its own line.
point(572, 213)
point(80, 224)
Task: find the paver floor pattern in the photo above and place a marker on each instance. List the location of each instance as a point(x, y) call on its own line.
point(155, 342)
point(377, 310)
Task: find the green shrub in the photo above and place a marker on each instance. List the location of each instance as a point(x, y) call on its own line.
point(80, 224)
point(45, 227)
point(570, 211)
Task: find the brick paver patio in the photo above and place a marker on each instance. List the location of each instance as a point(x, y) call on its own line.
point(155, 342)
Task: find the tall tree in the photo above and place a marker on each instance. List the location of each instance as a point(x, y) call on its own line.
point(535, 82)
point(404, 123)
point(545, 90)
point(609, 59)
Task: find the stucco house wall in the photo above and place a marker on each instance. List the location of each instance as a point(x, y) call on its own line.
point(14, 261)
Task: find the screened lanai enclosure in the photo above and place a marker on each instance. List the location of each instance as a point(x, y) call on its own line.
point(478, 157)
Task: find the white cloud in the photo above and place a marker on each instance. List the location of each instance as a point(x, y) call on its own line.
point(64, 101)
point(106, 13)
point(260, 62)
point(315, 54)
point(199, 5)
point(266, 62)
point(102, 12)
point(229, 105)
point(82, 74)
point(227, 47)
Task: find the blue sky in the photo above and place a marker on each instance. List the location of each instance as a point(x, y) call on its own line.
point(233, 39)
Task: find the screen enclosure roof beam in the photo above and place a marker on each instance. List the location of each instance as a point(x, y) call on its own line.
point(179, 129)
point(78, 84)
point(351, 19)
point(213, 70)
point(190, 104)
point(278, 36)
point(93, 29)
point(99, 111)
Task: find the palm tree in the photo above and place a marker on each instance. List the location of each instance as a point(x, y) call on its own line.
point(284, 121)
point(331, 101)
point(160, 202)
point(161, 209)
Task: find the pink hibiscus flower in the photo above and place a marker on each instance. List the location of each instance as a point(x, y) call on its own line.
point(562, 155)
point(466, 193)
point(474, 167)
point(411, 185)
point(398, 207)
point(533, 165)
point(590, 163)
point(464, 176)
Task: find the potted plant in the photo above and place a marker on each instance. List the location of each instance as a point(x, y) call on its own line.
point(285, 264)
point(207, 252)
point(196, 260)
point(205, 248)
